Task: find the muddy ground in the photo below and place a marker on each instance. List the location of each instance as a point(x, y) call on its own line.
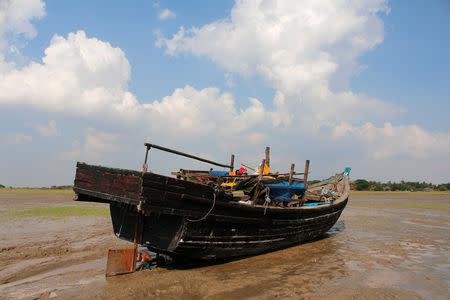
point(385, 246)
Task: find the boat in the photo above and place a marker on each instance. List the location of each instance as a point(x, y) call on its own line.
point(198, 215)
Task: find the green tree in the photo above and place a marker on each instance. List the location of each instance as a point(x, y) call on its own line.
point(362, 185)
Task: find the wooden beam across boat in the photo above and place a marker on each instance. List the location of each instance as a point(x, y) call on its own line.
point(230, 166)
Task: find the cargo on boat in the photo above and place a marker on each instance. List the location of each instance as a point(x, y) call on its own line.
point(210, 214)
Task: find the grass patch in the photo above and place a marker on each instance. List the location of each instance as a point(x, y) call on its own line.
point(435, 193)
point(422, 205)
point(57, 212)
point(402, 205)
point(36, 191)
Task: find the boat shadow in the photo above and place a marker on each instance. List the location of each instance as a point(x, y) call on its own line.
point(180, 264)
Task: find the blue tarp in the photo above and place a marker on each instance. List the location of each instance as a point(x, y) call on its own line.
point(283, 191)
point(219, 173)
point(316, 203)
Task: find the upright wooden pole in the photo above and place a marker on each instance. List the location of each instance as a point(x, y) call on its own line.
point(144, 165)
point(268, 156)
point(232, 163)
point(305, 176)
point(258, 185)
point(261, 170)
point(291, 173)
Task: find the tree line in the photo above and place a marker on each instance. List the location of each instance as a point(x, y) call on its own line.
point(364, 185)
point(53, 187)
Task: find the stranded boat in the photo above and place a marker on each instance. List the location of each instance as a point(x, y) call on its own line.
point(213, 215)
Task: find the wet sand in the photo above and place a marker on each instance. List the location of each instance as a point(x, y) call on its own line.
point(385, 246)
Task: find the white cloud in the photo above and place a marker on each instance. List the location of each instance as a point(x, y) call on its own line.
point(201, 113)
point(78, 74)
point(308, 51)
point(49, 130)
point(86, 77)
point(96, 144)
point(293, 44)
point(16, 139)
point(15, 17)
point(165, 14)
point(301, 48)
point(390, 141)
point(290, 44)
point(100, 141)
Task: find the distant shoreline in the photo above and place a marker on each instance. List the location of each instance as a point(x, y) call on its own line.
point(40, 191)
point(400, 192)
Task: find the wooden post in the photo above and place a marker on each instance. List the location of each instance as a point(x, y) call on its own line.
point(291, 173)
point(268, 156)
point(144, 165)
point(257, 188)
point(261, 170)
point(305, 176)
point(232, 163)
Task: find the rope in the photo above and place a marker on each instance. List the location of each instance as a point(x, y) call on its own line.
point(121, 224)
point(267, 201)
point(210, 210)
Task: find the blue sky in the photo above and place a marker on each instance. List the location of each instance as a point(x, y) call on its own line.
point(360, 84)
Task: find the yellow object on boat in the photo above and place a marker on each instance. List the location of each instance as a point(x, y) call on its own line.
point(266, 170)
point(232, 173)
point(230, 184)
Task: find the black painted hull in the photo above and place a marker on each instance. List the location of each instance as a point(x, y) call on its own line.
point(175, 218)
point(221, 237)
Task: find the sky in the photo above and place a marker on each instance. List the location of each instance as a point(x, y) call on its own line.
point(361, 84)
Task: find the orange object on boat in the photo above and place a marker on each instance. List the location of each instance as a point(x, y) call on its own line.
point(266, 170)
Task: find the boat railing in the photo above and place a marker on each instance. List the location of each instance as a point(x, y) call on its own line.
point(265, 161)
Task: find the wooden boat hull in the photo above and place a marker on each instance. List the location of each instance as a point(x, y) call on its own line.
point(191, 221)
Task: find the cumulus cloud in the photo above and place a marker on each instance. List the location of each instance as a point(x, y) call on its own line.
point(100, 141)
point(86, 77)
point(95, 144)
point(78, 74)
point(15, 25)
point(391, 141)
point(16, 16)
point(301, 48)
point(293, 44)
point(189, 112)
point(308, 51)
point(165, 14)
point(48, 130)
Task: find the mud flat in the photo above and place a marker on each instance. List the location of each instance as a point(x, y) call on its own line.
point(385, 246)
